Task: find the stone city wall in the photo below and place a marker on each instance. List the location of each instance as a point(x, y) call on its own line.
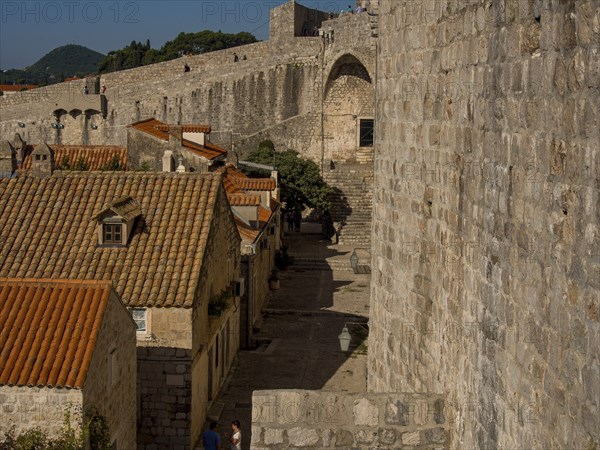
point(486, 233)
point(280, 80)
point(323, 420)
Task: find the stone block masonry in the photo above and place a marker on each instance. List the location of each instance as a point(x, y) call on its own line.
point(322, 420)
point(164, 397)
point(486, 216)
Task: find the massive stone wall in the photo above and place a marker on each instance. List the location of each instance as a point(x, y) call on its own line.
point(486, 235)
point(322, 420)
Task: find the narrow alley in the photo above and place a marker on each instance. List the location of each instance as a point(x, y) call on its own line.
point(299, 346)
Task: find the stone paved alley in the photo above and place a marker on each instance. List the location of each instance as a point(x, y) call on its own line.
point(300, 349)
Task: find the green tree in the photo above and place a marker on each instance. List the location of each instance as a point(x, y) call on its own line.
point(300, 179)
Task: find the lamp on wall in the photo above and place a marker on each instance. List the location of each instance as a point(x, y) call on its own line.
point(21, 124)
point(57, 126)
point(94, 126)
point(345, 337)
point(354, 260)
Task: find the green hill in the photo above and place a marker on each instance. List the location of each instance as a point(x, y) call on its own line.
point(70, 60)
point(62, 62)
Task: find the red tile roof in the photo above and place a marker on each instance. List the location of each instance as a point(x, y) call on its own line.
point(243, 200)
point(257, 184)
point(236, 185)
point(186, 128)
point(160, 130)
point(16, 87)
point(236, 181)
point(247, 233)
point(97, 157)
point(48, 330)
point(47, 231)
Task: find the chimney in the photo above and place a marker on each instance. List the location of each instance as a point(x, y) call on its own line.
point(175, 137)
point(168, 161)
point(180, 167)
point(20, 147)
point(42, 161)
point(8, 160)
point(232, 158)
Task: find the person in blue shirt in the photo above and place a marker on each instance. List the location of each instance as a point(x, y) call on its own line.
point(211, 439)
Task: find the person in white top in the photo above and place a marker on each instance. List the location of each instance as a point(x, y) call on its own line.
point(236, 439)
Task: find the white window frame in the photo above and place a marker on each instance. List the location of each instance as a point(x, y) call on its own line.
point(145, 320)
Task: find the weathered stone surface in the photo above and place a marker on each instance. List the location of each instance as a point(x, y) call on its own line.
point(397, 413)
point(518, 208)
point(412, 438)
point(365, 424)
point(366, 413)
point(302, 437)
point(273, 436)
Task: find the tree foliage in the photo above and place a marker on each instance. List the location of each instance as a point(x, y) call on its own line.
point(300, 179)
point(137, 54)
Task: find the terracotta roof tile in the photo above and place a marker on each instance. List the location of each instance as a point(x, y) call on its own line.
point(126, 207)
point(16, 87)
point(47, 231)
point(247, 233)
point(186, 128)
point(97, 157)
point(257, 184)
point(48, 330)
point(243, 200)
point(236, 181)
point(160, 130)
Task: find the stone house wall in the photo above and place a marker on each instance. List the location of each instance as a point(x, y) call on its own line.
point(109, 388)
point(110, 385)
point(173, 362)
point(221, 267)
point(256, 269)
point(164, 397)
point(485, 229)
point(160, 331)
point(321, 420)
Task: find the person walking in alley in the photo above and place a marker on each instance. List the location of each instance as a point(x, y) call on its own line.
point(297, 220)
point(290, 220)
point(211, 439)
point(236, 439)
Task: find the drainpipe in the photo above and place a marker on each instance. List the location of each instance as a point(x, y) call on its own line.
point(249, 309)
point(323, 46)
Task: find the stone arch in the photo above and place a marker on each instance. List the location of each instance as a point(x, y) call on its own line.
point(58, 113)
point(346, 62)
point(348, 100)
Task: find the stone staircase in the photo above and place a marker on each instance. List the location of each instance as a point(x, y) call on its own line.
point(352, 201)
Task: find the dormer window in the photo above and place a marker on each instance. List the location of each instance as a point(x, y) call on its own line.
point(116, 222)
point(112, 233)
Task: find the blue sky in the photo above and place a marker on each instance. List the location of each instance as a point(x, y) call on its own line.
point(30, 29)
